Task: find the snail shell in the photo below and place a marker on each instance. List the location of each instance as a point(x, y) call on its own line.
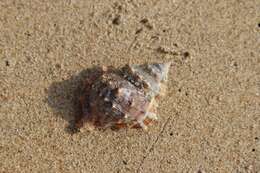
point(123, 98)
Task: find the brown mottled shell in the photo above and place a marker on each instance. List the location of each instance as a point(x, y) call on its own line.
point(124, 97)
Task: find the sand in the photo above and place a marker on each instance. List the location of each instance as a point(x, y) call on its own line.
point(209, 119)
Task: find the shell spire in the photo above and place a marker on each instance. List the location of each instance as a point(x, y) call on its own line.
point(153, 75)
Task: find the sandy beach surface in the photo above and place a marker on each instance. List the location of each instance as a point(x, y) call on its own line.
point(209, 121)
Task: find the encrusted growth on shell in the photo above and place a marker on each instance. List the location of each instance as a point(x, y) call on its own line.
point(124, 97)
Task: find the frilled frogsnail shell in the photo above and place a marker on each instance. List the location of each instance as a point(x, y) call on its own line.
point(123, 97)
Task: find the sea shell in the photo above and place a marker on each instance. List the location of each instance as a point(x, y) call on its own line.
point(124, 97)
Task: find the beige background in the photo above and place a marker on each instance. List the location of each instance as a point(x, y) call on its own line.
point(209, 120)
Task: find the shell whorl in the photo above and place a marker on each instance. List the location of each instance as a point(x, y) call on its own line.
point(151, 75)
